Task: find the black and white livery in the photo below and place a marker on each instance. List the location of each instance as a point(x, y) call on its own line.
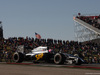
point(46, 55)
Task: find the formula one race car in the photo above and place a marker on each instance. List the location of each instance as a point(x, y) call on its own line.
point(47, 55)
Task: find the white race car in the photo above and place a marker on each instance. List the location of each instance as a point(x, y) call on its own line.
point(48, 55)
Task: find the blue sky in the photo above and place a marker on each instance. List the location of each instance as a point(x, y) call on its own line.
point(49, 18)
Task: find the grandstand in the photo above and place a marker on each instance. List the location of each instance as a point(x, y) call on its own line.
point(87, 28)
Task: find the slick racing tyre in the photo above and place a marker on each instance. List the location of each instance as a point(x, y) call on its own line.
point(18, 57)
point(59, 58)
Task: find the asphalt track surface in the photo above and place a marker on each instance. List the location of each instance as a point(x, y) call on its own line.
point(44, 69)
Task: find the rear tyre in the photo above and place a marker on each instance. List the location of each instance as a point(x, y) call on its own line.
point(59, 58)
point(18, 57)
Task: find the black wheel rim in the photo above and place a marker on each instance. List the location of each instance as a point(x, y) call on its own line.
point(57, 58)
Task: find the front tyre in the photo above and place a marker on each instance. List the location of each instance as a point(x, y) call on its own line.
point(18, 57)
point(59, 58)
